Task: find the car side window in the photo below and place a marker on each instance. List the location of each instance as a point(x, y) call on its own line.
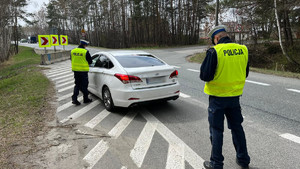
point(104, 62)
point(94, 59)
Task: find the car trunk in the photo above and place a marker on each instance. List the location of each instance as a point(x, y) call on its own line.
point(151, 77)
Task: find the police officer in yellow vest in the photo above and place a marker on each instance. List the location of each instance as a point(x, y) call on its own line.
point(81, 58)
point(224, 70)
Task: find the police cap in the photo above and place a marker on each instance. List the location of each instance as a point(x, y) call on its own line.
point(84, 42)
point(216, 30)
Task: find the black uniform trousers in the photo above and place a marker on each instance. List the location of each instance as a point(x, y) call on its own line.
point(229, 107)
point(81, 84)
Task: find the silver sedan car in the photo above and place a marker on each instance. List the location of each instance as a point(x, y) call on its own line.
point(125, 78)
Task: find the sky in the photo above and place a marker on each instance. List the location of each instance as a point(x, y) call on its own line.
point(34, 5)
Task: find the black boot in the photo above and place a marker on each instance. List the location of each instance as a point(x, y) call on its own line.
point(87, 100)
point(243, 167)
point(76, 102)
point(207, 165)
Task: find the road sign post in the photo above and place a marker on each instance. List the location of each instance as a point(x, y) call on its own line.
point(44, 41)
point(64, 40)
point(54, 41)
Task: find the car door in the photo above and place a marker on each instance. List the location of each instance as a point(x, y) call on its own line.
point(93, 73)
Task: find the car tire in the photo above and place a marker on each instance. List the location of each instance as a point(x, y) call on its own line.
point(107, 99)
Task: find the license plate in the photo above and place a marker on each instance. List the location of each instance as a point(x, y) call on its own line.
point(155, 80)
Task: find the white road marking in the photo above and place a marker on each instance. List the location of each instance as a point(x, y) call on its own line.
point(293, 90)
point(175, 158)
point(55, 69)
point(124, 167)
point(259, 83)
point(184, 95)
point(62, 77)
point(291, 137)
point(96, 154)
point(65, 97)
point(97, 119)
point(121, 126)
point(65, 106)
point(193, 70)
point(64, 80)
point(100, 149)
point(63, 84)
point(178, 67)
point(58, 74)
point(189, 155)
point(66, 88)
point(81, 111)
point(143, 142)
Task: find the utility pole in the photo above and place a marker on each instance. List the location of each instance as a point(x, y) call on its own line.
point(217, 13)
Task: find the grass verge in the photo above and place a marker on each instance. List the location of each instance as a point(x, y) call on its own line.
point(199, 57)
point(24, 96)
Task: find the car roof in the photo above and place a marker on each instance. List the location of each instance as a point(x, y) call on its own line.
point(126, 52)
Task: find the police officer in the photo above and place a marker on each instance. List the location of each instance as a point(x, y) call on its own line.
point(81, 58)
point(224, 70)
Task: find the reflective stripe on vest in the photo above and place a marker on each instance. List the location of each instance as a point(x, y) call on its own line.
point(230, 75)
point(79, 62)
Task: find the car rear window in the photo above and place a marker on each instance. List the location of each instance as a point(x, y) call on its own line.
point(132, 61)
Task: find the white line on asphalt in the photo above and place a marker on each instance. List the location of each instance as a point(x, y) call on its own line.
point(293, 90)
point(175, 158)
point(62, 77)
point(143, 142)
point(58, 74)
point(51, 72)
point(64, 106)
point(100, 149)
point(189, 155)
point(259, 83)
point(65, 97)
point(97, 119)
point(178, 67)
point(66, 88)
point(121, 126)
point(124, 167)
point(193, 70)
point(64, 80)
point(81, 111)
point(184, 95)
point(96, 154)
point(63, 84)
point(59, 68)
point(291, 137)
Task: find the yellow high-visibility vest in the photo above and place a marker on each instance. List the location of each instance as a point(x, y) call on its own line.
point(79, 62)
point(230, 75)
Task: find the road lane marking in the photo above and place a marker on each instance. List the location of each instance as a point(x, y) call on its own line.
point(293, 90)
point(189, 155)
point(121, 126)
point(175, 158)
point(64, 80)
point(291, 137)
point(58, 73)
point(143, 142)
point(65, 97)
point(62, 77)
point(258, 83)
point(100, 149)
point(63, 84)
point(65, 106)
point(96, 154)
point(81, 111)
point(97, 119)
point(66, 88)
point(55, 70)
point(193, 70)
point(184, 95)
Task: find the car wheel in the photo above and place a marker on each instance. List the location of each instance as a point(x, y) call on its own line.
point(107, 99)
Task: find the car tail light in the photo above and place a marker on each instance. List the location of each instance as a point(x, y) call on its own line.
point(174, 74)
point(128, 78)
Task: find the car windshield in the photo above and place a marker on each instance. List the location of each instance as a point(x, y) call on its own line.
point(133, 61)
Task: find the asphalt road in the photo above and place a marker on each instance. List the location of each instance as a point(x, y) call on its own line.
point(175, 134)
